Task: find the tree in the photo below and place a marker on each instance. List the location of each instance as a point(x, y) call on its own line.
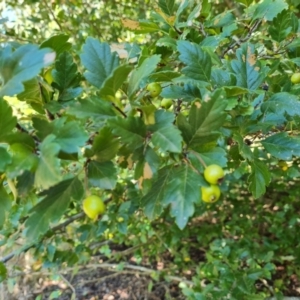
point(74, 125)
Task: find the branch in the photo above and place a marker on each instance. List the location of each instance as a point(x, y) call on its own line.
point(27, 247)
point(53, 15)
point(245, 39)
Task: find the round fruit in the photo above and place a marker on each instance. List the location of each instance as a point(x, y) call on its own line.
point(211, 193)
point(213, 174)
point(154, 89)
point(166, 103)
point(295, 78)
point(283, 165)
point(93, 206)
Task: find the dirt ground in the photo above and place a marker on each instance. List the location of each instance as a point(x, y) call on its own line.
point(89, 282)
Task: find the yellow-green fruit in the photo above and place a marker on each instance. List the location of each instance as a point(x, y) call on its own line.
point(211, 193)
point(48, 76)
point(213, 174)
point(154, 89)
point(295, 78)
point(166, 103)
point(283, 165)
point(93, 206)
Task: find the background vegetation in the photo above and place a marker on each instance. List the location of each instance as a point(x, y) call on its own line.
point(77, 119)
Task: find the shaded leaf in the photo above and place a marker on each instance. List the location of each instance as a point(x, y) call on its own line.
point(207, 117)
point(167, 6)
point(48, 170)
point(8, 121)
point(132, 131)
point(3, 272)
point(92, 107)
point(153, 200)
point(259, 178)
point(115, 81)
point(105, 145)
point(281, 27)
point(102, 175)
point(5, 159)
point(5, 205)
point(188, 92)
point(198, 61)
point(163, 76)
point(52, 207)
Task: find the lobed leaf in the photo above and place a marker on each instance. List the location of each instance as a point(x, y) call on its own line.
point(98, 60)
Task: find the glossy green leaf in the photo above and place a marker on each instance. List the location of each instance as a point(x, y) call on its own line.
point(114, 82)
point(244, 149)
point(248, 71)
point(198, 62)
point(66, 78)
point(69, 135)
point(267, 9)
point(188, 92)
point(206, 118)
point(215, 155)
point(183, 191)
point(167, 42)
point(48, 170)
point(132, 131)
point(167, 6)
point(54, 204)
point(59, 43)
point(259, 178)
point(144, 70)
point(153, 201)
point(92, 107)
point(165, 135)
point(224, 19)
point(281, 103)
point(25, 184)
point(281, 27)
point(105, 145)
point(102, 175)
point(23, 159)
point(33, 93)
point(282, 146)
point(98, 60)
point(8, 121)
point(21, 65)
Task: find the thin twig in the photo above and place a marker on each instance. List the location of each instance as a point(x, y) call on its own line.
point(119, 110)
point(244, 39)
point(53, 15)
point(69, 285)
point(27, 247)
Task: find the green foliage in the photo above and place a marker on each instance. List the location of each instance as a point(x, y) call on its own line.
point(95, 130)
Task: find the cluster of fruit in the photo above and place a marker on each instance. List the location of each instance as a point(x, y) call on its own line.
point(154, 90)
point(213, 174)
